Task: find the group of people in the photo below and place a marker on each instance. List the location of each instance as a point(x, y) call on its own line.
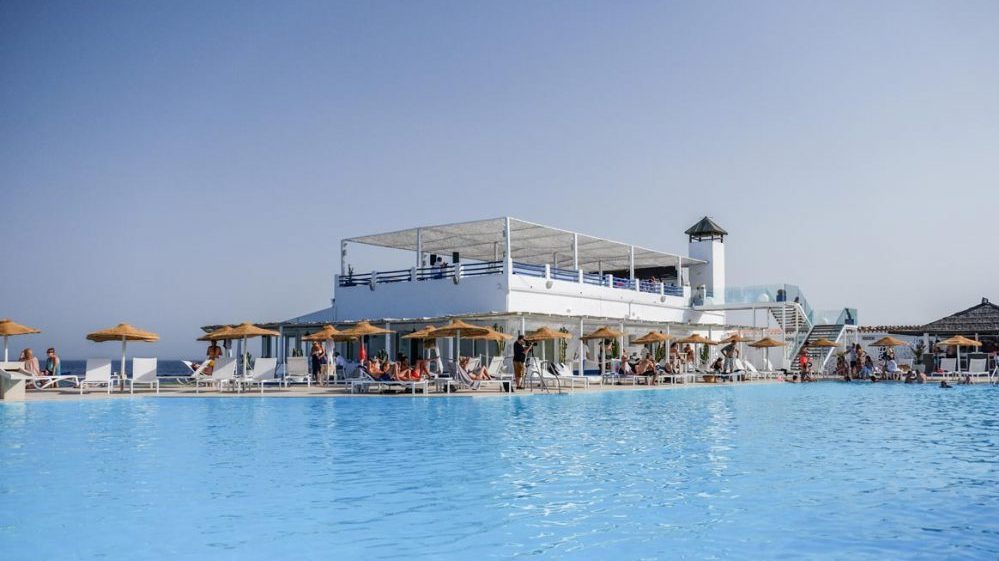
point(321, 363)
point(53, 365)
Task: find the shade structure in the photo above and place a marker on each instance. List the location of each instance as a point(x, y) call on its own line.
point(960, 341)
point(735, 338)
point(766, 343)
point(9, 328)
point(696, 339)
point(123, 332)
point(220, 334)
point(823, 342)
point(247, 330)
point(364, 328)
point(494, 336)
point(328, 333)
point(602, 333)
point(546, 334)
point(457, 327)
point(889, 341)
point(652, 337)
point(420, 333)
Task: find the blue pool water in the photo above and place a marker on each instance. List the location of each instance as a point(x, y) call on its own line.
point(817, 471)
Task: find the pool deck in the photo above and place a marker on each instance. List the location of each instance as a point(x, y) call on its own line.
point(72, 394)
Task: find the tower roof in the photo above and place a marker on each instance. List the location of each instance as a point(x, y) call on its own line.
point(706, 228)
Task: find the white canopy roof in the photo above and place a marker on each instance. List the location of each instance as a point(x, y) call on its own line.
point(530, 243)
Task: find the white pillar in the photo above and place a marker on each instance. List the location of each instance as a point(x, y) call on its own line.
point(507, 234)
point(631, 262)
point(343, 257)
point(575, 251)
point(582, 349)
point(419, 247)
point(388, 342)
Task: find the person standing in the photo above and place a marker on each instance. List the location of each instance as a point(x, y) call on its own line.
point(729, 353)
point(53, 366)
point(520, 349)
point(317, 354)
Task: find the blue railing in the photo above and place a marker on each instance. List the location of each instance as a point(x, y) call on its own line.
point(529, 270)
point(673, 290)
point(595, 279)
point(570, 275)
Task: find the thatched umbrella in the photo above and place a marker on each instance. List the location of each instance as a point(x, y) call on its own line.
point(960, 341)
point(454, 329)
point(247, 330)
point(9, 328)
point(823, 343)
point(602, 334)
point(422, 334)
point(766, 343)
point(889, 341)
point(361, 330)
point(491, 335)
point(329, 333)
point(123, 332)
point(652, 338)
point(546, 334)
point(696, 339)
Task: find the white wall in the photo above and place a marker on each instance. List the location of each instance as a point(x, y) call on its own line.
point(711, 274)
point(428, 298)
point(530, 294)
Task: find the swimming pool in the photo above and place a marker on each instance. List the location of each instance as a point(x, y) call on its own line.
point(817, 471)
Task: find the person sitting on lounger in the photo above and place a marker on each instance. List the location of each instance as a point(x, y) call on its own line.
point(376, 370)
point(646, 367)
point(400, 369)
point(480, 374)
point(53, 366)
point(718, 365)
point(30, 362)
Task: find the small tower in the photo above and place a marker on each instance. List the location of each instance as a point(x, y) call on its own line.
point(707, 242)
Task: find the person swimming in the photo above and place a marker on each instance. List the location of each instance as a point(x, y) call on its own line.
point(944, 384)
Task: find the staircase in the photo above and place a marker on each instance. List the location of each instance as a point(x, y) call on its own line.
point(792, 320)
point(818, 355)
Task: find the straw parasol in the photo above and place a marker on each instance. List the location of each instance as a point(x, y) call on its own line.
point(220, 334)
point(823, 342)
point(696, 339)
point(735, 338)
point(889, 341)
point(247, 330)
point(603, 334)
point(123, 332)
point(9, 328)
point(494, 336)
point(363, 329)
point(960, 341)
point(652, 337)
point(546, 334)
point(420, 333)
point(328, 333)
point(766, 343)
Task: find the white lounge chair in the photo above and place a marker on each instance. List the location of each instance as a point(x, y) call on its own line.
point(978, 367)
point(296, 371)
point(143, 373)
point(264, 372)
point(223, 375)
point(496, 370)
point(39, 381)
point(566, 375)
point(363, 380)
point(98, 374)
point(949, 366)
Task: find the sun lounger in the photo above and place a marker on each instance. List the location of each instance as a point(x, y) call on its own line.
point(566, 376)
point(40, 381)
point(496, 370)
point(948, 366)
point(98, 374)
point(191, 378)
point(264, 372)
point(297, 371)
point(223, 375)
point(143, 373)
point(977, 367)
point(364, 381)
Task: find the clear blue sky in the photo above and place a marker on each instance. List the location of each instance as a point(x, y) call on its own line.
point(174, 164)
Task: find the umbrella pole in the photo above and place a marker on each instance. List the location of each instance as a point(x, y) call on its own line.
point(5, 337)
point(123, 343)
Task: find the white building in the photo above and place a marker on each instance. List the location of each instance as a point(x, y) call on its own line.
point(516, 276)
